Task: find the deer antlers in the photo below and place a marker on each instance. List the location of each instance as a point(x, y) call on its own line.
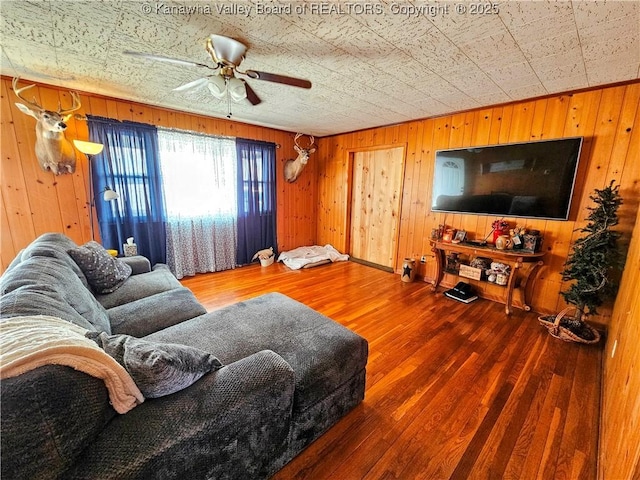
point(297, 147)
point(34, 105)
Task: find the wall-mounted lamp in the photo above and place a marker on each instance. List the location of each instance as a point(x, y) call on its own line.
point(90, 149)
point(108, 194)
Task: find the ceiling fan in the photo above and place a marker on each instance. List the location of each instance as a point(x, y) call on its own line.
point(227, 54)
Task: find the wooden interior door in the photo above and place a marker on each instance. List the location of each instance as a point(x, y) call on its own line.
point(375, 205)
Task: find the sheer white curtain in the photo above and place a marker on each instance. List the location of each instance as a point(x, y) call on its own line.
point(199, 176)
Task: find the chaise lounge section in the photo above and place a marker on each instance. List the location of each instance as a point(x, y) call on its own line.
point(289, 374)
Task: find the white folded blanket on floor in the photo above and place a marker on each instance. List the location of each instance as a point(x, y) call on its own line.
point(30, 342)
point(301, 256)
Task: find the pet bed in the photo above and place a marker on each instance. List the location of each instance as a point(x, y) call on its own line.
point(308, 257)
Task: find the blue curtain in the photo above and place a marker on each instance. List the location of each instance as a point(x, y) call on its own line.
point(129, 164)
point(256, 198)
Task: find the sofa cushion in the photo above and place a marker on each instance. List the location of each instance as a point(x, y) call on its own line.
point(28, 300)
point(49, 415)
point(324, 354)
point(104, 272)
point(52, 277)
point(160, 279)
point(54, 245)
point(150, 314)
point(158, 369)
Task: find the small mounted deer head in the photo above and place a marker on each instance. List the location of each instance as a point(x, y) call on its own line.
point(53, 150)
point(293, 168)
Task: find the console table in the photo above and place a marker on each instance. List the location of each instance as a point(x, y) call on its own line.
point(515, 258)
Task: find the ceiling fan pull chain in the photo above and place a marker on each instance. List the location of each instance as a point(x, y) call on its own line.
point(226, 81)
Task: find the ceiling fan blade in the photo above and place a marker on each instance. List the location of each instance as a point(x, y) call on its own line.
point(251, 95)
point(274, 77)
point(201, 82)
point(175, 61)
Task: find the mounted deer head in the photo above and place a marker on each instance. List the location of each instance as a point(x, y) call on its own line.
point(53, 150)
point(293, 168)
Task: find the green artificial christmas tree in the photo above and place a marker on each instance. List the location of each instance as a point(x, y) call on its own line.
point(593, 265)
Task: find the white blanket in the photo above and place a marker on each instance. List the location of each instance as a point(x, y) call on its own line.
point(27, 343)
point(301, 256)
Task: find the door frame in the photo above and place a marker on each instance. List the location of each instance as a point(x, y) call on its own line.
point(350, 152)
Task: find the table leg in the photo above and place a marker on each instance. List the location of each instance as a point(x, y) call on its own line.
point(439, 254)
point(510, 286)
point(526, 291)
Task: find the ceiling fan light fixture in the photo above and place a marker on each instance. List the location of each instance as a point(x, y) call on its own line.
point(227, 49)
point(217, 86)
point(237, 89)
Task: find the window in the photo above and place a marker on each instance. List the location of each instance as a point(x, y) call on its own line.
point(199, 174)
point(196, 202)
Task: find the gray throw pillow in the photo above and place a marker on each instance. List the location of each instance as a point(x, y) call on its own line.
point(105, 273)
point(158, 369)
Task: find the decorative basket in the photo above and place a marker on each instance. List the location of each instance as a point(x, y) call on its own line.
point(563, 333)
point(265, 262)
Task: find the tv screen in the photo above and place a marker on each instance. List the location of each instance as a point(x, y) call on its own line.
point(530, 179)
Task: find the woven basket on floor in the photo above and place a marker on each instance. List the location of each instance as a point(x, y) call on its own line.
point(558, 331)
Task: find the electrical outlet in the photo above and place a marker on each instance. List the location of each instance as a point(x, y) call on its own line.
point(423, 259)
point(613, 350)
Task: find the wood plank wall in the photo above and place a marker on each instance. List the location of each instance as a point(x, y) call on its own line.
point(33, 201)
point(619, 452)
point(606, 117)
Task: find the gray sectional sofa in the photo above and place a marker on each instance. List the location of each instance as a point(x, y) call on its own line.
point(289, 374)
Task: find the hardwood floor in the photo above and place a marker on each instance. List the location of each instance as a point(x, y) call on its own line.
point(453, 390)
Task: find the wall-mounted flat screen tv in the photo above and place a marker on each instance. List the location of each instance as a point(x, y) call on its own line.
point(530, 179)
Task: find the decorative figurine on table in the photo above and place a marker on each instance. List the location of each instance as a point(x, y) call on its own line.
point(517, 237)
point(498, 273)
point(503, 242)
point(453, 263)
point(460, 236)
point(532, 241)
point(500, 227)
point(449, 235)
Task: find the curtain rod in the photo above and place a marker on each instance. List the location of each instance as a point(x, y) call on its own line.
point(201, 134)
point(193, 132)
point(97, 118)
